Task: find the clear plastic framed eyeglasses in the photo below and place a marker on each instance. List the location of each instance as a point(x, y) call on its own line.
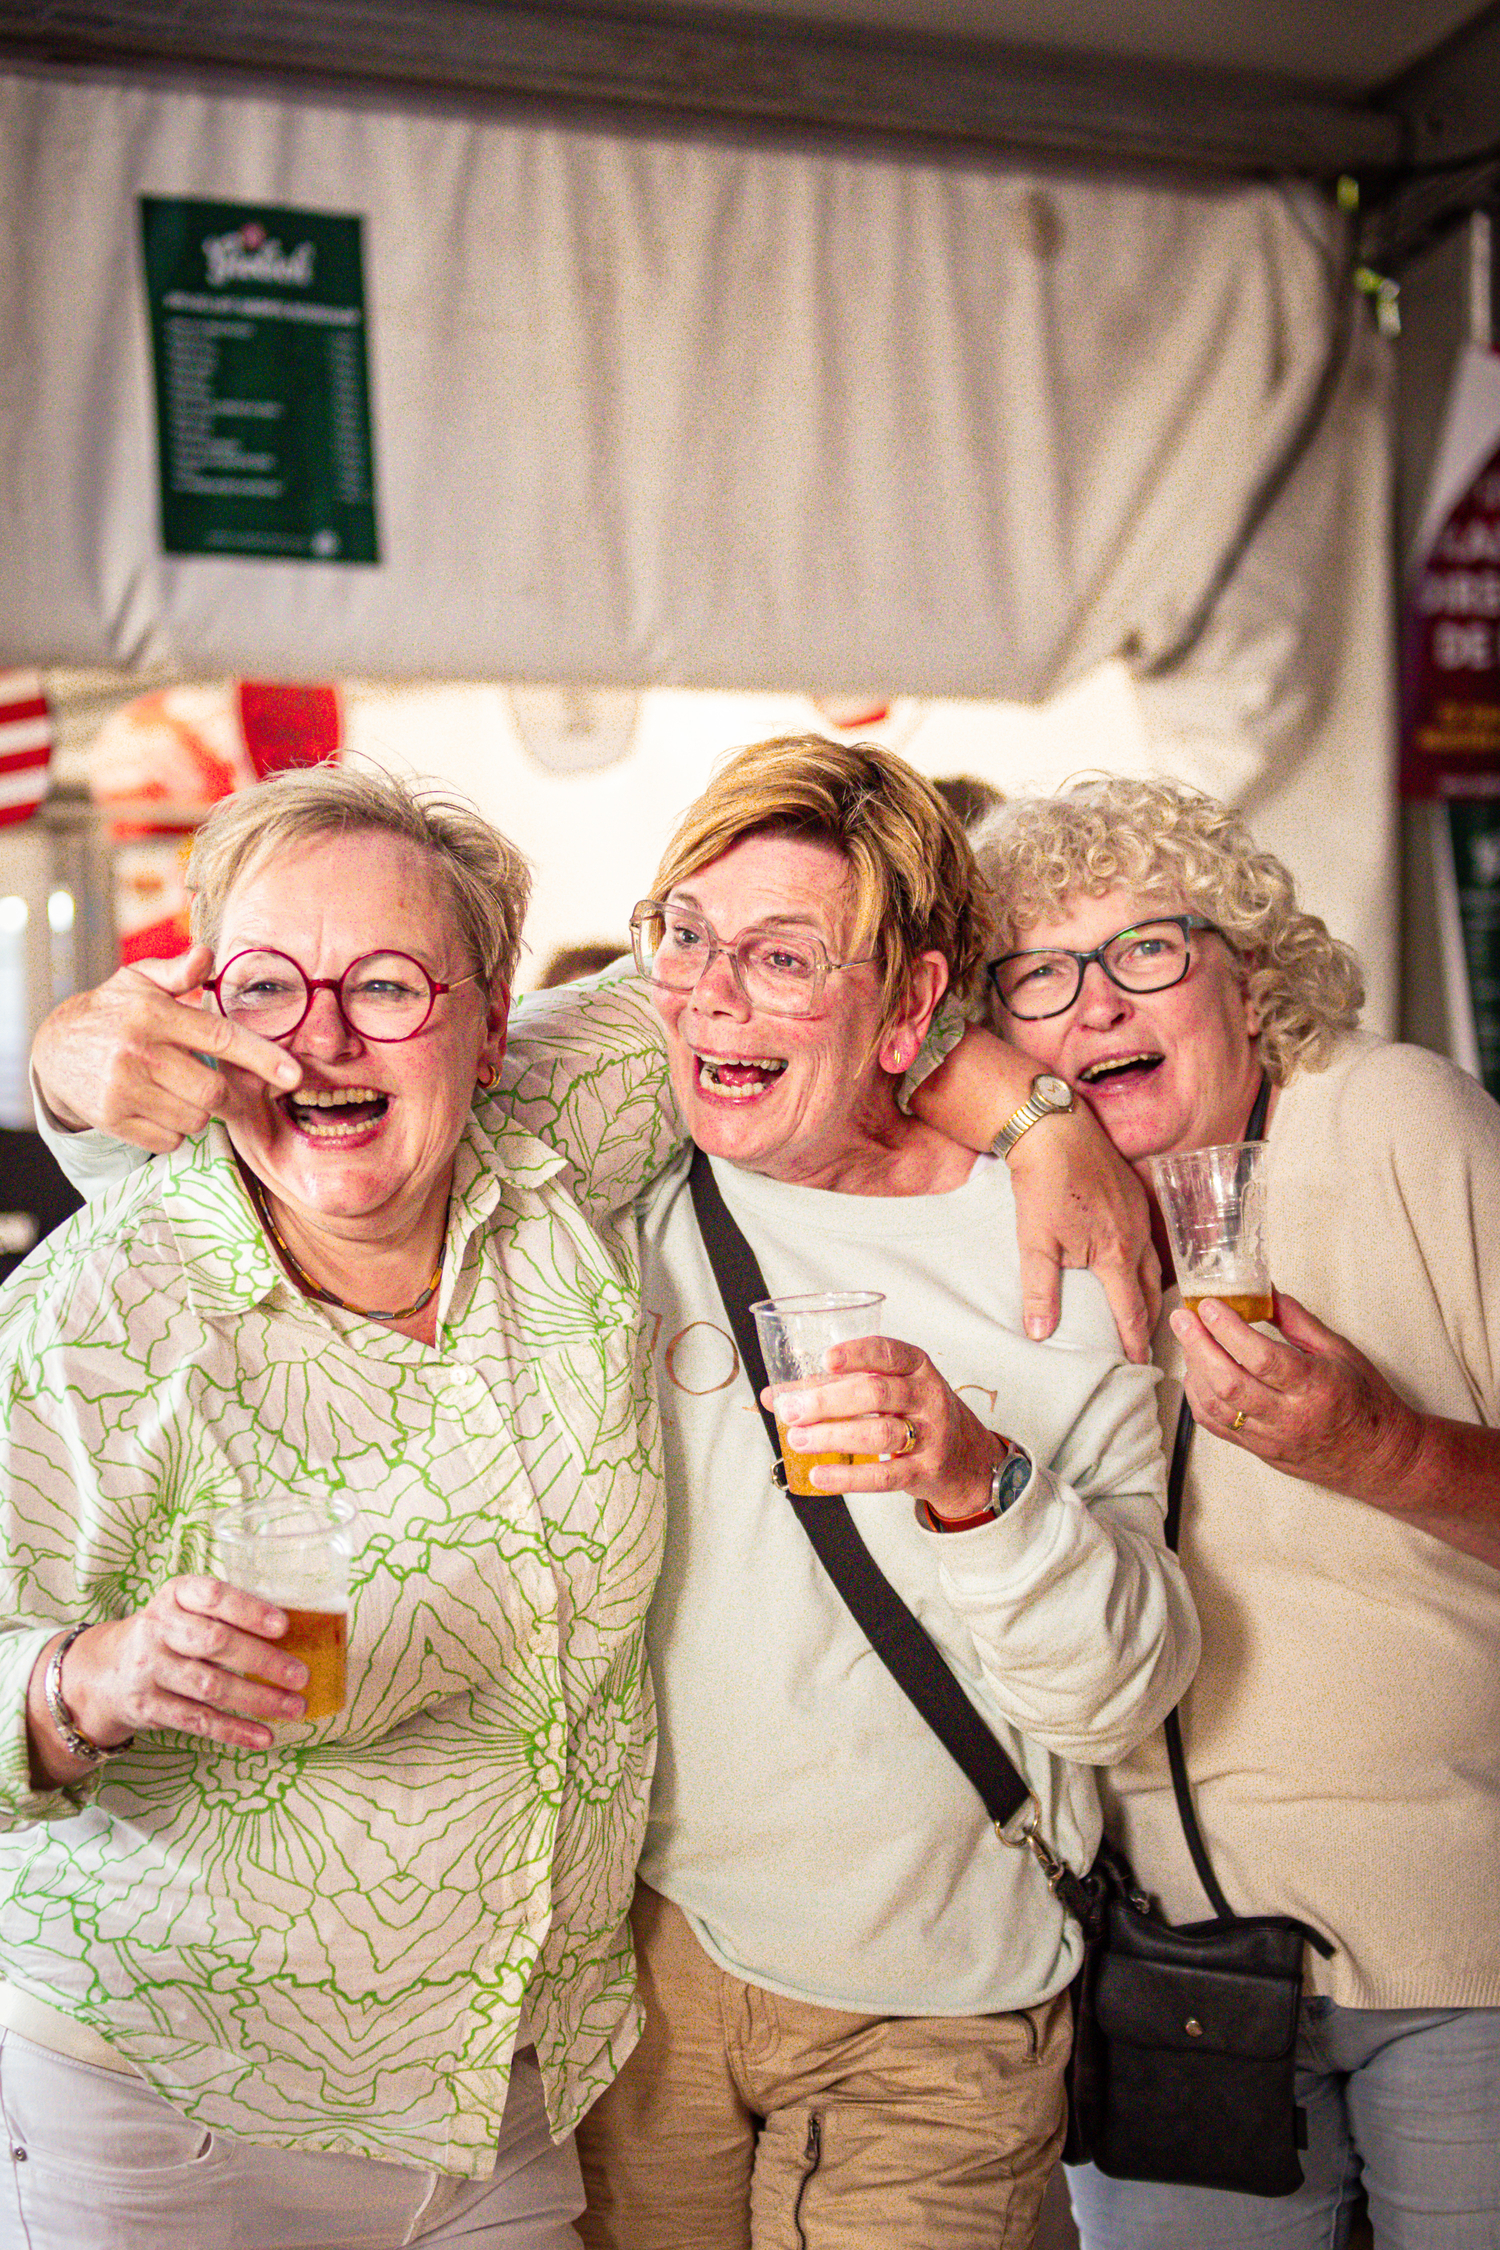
point(779, 972)
point(1148, 957)
point(386, 997)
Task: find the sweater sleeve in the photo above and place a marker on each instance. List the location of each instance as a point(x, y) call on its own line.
point(1079, 1614)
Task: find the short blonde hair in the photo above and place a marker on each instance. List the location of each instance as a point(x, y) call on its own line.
point(1164, 842)
point(915, 882)
point(488, 880)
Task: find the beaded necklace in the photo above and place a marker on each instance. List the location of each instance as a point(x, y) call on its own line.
point(311, 1288)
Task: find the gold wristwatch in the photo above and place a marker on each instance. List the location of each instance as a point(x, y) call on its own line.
point(1050, 1097)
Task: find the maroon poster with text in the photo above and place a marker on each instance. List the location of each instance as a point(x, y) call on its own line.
point(1450, 731)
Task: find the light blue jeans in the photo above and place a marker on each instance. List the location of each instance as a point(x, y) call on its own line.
point(1405, 2102)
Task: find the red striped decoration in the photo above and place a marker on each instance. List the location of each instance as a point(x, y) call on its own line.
point(25, 745)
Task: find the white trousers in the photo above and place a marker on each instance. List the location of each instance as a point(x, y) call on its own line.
point(94, 2160)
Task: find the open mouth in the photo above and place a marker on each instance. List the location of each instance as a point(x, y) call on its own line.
point(1121, 1070)
point(336, 1113)
point(738, 1078)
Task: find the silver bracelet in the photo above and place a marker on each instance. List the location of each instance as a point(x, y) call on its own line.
point(75, 1741)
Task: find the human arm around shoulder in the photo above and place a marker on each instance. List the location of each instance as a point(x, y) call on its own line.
point(1077, 1203)
point(586, 1071)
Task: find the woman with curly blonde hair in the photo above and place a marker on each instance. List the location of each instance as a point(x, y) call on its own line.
point(1164, 842)
point(1341, 1508)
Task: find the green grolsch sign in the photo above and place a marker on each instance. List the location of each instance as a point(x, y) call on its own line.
point(262, 382)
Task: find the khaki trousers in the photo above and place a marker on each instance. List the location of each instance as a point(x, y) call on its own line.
point(747, 2121)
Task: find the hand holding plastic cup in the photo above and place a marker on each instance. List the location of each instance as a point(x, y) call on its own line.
point(295, 1550)
point(795, 1333)
point(1214, 1203)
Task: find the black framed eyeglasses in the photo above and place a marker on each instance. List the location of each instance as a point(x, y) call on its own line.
point(778, 972)
point(1043, 981)
point(386, 997)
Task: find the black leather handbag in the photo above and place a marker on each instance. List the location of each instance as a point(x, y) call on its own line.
point(1184, 2054)
point(1185, 2035)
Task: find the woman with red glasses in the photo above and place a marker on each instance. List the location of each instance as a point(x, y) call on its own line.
point(272, 1980)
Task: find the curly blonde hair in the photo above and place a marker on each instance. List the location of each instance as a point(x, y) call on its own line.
point(1176, 848)
point(915, 884)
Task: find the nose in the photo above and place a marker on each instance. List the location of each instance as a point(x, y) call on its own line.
point(718, 988)
point(1100, 1002)
point(323, 1032)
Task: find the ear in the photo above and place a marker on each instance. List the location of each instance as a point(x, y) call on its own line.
point(496, 1030)
point(1253, 1017)
point(926, 983)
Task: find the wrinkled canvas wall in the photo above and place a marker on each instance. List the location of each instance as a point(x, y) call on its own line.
point(652, 409)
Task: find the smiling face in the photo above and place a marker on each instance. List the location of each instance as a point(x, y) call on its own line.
point(364, 1148)
point(1161, 1070)
point(797, 1097)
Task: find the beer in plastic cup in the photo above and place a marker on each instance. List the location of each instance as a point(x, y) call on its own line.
point(1214, 1203)
point(795, 1333)
point(295, 1552)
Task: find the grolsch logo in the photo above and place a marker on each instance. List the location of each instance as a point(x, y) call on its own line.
point(250, 254)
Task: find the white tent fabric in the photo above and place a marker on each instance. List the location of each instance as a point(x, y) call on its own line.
point(656, 409)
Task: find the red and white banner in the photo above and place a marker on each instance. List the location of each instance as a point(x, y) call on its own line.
point(160, 762)
point(25, 745)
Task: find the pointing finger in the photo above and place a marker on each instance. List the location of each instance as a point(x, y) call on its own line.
point(231, 1043)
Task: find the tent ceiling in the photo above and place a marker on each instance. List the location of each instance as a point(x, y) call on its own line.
point(1343, 46)
point(1316, 87)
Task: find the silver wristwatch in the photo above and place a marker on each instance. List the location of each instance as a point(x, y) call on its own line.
point(1050, 1097)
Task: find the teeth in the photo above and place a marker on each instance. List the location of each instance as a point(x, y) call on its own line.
point(335, 1097)
point(1116, 1062)
point(710, 1066)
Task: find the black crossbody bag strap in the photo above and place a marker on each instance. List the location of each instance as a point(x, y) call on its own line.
point(1176, 1758)
point(897, 1637)
point(1182, 1445)
point(1172, 1725)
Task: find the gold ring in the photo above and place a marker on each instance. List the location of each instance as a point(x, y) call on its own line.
point(1239, 1421)
point(911, 1438)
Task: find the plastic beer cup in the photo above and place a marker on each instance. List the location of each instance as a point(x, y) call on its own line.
point(795, 1333)
point(295, 1552)
point(1214, 1204)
